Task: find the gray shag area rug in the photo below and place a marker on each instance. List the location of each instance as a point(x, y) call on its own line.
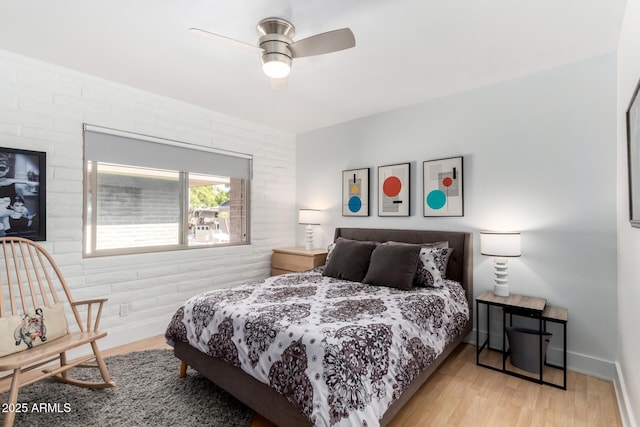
point(148, 392)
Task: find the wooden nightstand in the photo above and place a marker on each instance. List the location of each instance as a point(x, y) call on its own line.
point(288, 260)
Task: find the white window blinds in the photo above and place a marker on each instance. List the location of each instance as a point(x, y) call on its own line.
point(110, 146)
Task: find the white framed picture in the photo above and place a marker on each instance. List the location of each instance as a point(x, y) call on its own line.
point(355, 192)
point(394, 190)
point(442, 195)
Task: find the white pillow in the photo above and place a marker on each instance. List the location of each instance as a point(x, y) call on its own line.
point(432, 267)
point(37, 326)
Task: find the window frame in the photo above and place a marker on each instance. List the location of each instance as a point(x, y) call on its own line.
point(90, 183)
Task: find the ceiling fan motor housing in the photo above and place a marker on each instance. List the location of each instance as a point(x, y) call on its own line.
point(275, 37)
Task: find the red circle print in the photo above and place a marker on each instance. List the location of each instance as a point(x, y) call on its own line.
point(447, 182)
point(392, 186)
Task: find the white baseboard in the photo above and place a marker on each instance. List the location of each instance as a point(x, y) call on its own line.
point(624, 403)
point(592, 366)
point(121, 336)
point(582, 363)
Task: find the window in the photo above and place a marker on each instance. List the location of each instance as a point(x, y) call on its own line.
point(143, 196)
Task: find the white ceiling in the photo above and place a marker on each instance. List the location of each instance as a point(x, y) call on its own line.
point(407, 51)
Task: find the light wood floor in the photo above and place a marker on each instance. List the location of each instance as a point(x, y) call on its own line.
point(463, 394)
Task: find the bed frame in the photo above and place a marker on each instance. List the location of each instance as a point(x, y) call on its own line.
point(276, 408)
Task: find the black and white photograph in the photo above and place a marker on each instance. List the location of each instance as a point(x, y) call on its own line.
point(22, 193)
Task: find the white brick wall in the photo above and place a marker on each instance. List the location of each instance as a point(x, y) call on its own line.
point(43, 107)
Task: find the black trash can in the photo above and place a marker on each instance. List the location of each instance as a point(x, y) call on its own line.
point(524, 348)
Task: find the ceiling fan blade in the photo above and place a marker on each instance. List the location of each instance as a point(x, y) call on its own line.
point(331, 41)
point(280, 84)
point(227, 40)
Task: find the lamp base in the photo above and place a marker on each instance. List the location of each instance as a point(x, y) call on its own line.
point(501, 287)
point(501, 290)
point(308, 244)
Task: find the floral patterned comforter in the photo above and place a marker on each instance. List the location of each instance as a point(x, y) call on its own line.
point(340, 351)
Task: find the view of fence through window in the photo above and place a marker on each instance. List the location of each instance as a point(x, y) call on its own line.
point(131, 208)
point(209, 209)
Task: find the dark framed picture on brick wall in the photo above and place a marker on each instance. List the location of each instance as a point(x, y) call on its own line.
point(23, 193)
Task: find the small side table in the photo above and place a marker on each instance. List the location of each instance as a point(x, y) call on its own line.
point(289, 260)
point(524, 306)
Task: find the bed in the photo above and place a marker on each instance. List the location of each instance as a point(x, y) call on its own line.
point(314, 348)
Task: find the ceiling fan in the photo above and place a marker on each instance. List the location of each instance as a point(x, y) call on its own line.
point(277, 47)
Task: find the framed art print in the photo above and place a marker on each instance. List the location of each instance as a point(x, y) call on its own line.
point(355, 192)
point(23, 193)
point(633, 153)
point(393, 190)
point(442, 194)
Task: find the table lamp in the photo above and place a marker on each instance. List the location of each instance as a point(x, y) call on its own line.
point(500, 245)
point(309, 217)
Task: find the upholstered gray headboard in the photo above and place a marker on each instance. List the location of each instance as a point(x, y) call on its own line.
point(460, 267)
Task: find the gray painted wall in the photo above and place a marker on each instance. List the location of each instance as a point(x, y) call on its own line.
point(628, 238)
point(539, 157)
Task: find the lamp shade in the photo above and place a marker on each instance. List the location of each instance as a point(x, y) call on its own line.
point(309, 216)
point(500, 244)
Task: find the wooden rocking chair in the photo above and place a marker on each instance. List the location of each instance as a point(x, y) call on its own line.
point(30, 281)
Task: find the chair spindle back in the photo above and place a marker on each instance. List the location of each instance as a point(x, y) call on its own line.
point(29, 278)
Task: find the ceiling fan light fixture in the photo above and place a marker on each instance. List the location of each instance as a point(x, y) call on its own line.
point(276, 65)
point(278, 49)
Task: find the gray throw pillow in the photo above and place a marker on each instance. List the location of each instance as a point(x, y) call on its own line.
point(393, 266)
point(427, 270)
point(349, 260)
